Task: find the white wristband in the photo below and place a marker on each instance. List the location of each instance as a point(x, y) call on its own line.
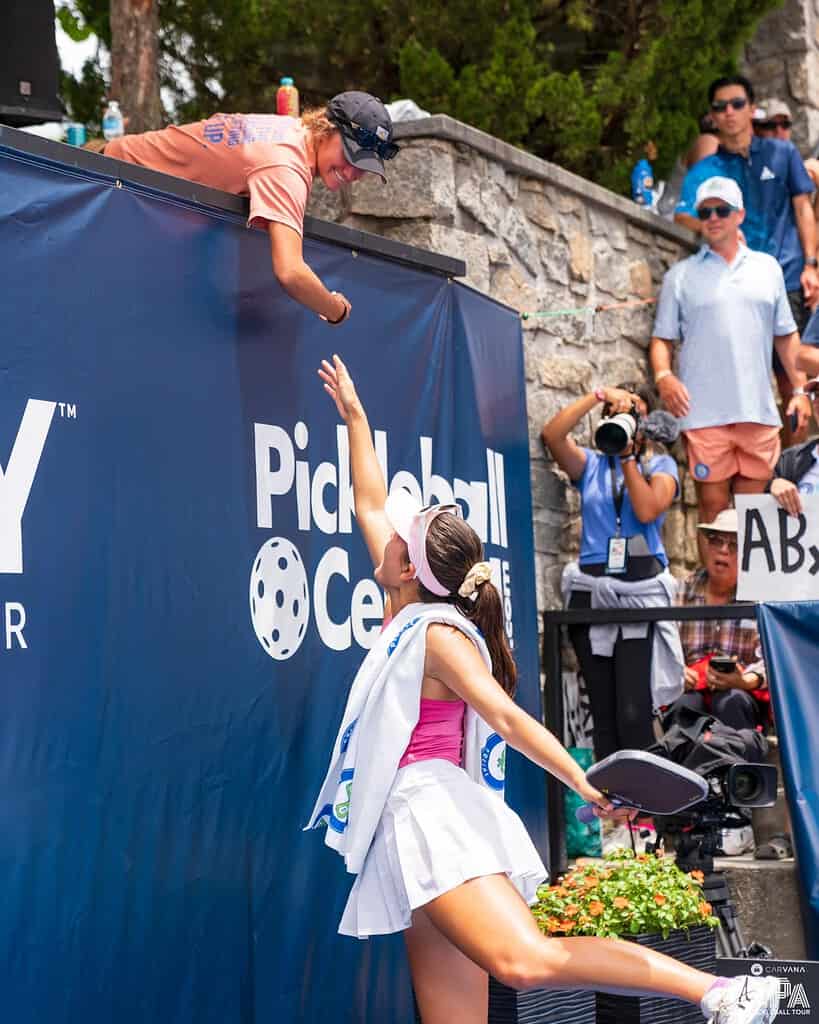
point(662, 375)
point(798, 392)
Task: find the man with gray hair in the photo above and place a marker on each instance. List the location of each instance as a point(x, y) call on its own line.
point(725, 308)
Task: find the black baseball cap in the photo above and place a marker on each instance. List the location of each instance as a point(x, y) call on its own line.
point(366, 130)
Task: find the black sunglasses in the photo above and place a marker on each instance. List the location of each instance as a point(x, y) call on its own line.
point(366, 139)
point(720, 106)
point(704, 212)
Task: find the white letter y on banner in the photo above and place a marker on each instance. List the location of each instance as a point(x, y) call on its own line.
point(15, 483)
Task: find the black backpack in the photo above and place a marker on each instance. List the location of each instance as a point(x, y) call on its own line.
point(703, 743)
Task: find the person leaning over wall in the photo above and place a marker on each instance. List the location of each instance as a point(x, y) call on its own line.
point(622, 563)
point(274, 160)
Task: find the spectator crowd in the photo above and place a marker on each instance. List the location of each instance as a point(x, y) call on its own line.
point(731, 319)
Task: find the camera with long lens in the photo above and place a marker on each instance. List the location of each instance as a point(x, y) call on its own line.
point(734, 790)
point(615, 432)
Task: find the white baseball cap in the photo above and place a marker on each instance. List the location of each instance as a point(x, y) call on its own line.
point(725, 189)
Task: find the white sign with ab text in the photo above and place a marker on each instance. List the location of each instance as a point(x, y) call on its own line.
point(777, 554)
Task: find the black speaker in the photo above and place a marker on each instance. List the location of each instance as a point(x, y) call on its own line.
point(29, 65)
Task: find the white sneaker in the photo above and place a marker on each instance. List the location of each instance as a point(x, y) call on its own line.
point(736, 841)
point(743, 1000)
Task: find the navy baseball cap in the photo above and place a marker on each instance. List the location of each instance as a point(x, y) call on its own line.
point(366, 130)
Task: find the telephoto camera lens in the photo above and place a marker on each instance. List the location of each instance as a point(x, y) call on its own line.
point(614, 433)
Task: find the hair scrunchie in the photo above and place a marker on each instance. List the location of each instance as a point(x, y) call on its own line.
point(480, 573)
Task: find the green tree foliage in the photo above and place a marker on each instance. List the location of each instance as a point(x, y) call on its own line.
point(584, 83)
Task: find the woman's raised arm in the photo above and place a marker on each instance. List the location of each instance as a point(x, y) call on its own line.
point(369, 487)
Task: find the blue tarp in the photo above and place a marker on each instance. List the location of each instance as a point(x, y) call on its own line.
point(790, 641)
point(184, 596)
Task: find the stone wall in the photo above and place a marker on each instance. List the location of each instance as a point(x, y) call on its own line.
point(538, 239)
point(782, 61)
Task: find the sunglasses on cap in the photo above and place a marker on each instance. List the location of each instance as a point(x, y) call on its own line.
point(704, 212)
point(366, 138)
point(720, 106)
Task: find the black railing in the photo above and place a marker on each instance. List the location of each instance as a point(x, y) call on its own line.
point(553, 686)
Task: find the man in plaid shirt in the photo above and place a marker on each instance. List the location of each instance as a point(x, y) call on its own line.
point(738, 698)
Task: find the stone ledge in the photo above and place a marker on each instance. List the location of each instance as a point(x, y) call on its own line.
point(441, 126)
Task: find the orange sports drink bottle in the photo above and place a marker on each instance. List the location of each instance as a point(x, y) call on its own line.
point(287, 98)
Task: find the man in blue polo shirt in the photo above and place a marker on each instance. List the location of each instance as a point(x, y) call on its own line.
point(776, 190)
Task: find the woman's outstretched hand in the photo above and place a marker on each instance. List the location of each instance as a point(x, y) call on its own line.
point(339, 386)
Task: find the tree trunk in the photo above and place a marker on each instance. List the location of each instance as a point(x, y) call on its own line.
point(135, 63)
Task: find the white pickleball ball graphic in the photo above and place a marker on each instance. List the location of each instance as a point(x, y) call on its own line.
point(279, 599)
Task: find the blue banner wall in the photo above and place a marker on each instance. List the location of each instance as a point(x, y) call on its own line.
point(790, 642)
point(184, 597)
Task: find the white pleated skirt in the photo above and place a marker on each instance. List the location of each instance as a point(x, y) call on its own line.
point(438, 830)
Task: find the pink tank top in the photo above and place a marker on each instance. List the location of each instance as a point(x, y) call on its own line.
point(439, 732)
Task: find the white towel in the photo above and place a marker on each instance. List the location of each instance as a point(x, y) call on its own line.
point(667, 663)
point(382, 710)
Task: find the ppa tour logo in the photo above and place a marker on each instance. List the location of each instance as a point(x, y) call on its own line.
point(285, 595)
point(17, 479)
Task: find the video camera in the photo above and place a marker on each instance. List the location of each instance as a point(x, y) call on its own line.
point(735, 788)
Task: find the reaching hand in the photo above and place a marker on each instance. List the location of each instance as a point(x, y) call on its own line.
point(787, 494)
point(690, 678)
point(339, 386)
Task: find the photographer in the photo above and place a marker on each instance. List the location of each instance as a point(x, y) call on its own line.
point(623, 563)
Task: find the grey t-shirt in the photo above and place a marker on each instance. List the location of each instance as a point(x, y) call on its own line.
point(724, 317)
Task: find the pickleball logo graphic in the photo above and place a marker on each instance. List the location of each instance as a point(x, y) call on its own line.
point(279, 599)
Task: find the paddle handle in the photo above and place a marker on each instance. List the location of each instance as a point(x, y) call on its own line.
point(585, 813)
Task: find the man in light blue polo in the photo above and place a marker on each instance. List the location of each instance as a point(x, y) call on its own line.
point(726, 308)
point(777, 195)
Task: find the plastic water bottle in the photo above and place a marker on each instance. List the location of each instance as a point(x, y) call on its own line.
point(287, 98)
point(112, 123)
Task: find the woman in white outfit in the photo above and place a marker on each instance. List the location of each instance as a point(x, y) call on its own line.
point(464, 913)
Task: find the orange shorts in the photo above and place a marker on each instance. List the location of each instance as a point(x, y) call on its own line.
point(716, 454)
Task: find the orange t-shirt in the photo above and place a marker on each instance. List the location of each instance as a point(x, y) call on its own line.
point(263, 156)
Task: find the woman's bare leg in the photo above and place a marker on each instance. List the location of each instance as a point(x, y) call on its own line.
point(449, 987)
point(488, 921)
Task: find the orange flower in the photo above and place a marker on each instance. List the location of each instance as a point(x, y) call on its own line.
point(621, 902)
point(704, 909)
point(659, 899)
point(552, 924)
point(642, 856)
point(572, 910)
point(698, 876)
point(566, 925)
point(570, 883)
point(596, 908)
point(589, 882)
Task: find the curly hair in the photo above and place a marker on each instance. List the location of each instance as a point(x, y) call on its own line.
point(316, 121)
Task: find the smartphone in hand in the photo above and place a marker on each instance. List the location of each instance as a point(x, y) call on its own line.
point(721, 664)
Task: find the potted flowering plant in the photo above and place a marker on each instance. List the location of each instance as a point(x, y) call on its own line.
point(645, 898)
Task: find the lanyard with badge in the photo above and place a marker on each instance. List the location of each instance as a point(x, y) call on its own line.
point(617, 561)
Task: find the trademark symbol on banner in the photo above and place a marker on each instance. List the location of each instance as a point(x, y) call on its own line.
point(68, 410)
